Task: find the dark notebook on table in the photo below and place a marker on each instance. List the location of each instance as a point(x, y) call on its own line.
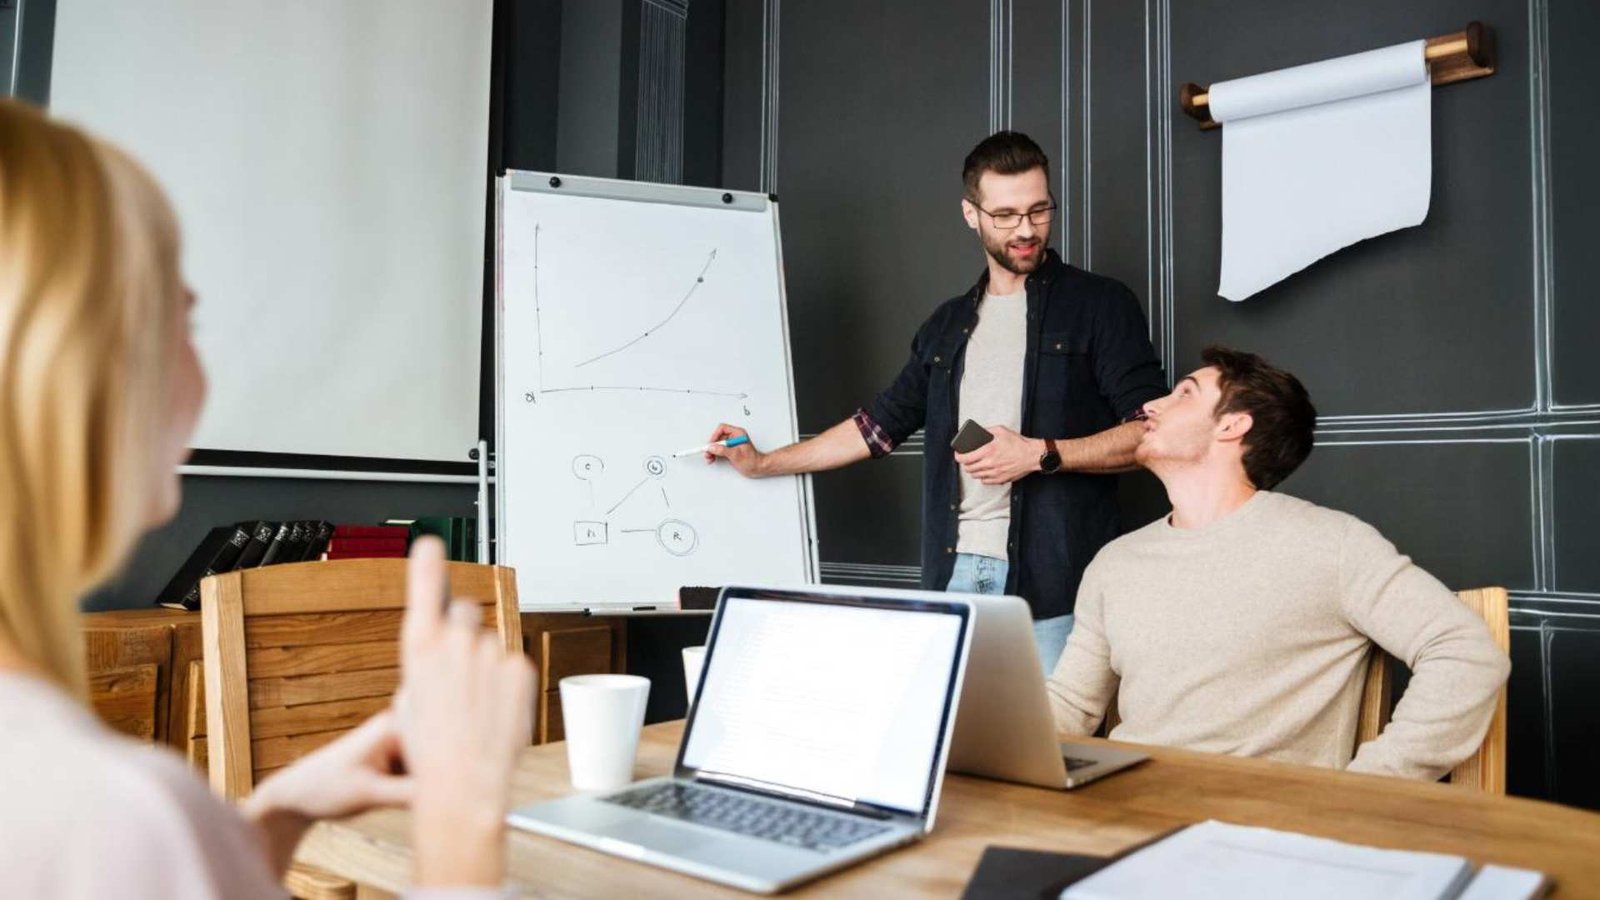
point(1012, 873)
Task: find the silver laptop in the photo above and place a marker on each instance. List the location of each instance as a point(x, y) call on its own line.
point(818, 739)
point(1004, 728)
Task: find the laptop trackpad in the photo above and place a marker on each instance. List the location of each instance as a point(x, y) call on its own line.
point(659, 836)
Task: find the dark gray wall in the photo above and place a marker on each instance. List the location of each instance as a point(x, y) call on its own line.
point(636, 91)
point(702, 93)
point(27, 35)
point(1452, 361)
point(590, 87)
point(529, 104)
point(8, 45)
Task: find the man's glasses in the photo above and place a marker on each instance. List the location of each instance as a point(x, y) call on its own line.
point(1008, 221)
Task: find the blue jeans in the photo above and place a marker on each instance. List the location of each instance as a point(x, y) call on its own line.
point(975, 574)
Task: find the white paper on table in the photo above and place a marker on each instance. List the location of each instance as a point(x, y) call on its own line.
point(1217, 860)
point(1502, 883)
point(1318, 157)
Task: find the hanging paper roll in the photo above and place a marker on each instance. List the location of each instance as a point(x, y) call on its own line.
point(1318, 157)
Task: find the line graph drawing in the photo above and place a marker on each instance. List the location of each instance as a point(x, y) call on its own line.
point(540, 389)
point(699, 280)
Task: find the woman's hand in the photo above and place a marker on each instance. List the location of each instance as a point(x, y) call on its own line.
point(466, 711)
point(355, 773)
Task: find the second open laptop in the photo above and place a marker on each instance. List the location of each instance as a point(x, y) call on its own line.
point(1005, 729)
point(818, 739)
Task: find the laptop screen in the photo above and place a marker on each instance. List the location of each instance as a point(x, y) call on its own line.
point(840, 697)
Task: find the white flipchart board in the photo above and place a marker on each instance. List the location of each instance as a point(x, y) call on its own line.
point(632, 318)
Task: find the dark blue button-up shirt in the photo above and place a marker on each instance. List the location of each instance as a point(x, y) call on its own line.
point(1088, 366)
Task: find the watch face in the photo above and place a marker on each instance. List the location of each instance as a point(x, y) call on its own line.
point(1050, 461)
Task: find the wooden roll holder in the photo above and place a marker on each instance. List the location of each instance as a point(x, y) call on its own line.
point(1461, 56)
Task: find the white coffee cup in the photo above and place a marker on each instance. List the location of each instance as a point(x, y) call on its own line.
point(693, 659)
point(602, 715)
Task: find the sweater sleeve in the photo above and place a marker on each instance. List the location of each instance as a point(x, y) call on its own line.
point(1083, 684)
point(142, 826)
point(1456, 669)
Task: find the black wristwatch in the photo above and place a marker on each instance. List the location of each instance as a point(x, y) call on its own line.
point(1050, 459)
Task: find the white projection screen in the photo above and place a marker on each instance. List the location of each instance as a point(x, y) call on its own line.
point(328, 162)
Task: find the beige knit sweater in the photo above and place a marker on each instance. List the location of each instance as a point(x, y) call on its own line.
point(1249, 636)
point(86, 813)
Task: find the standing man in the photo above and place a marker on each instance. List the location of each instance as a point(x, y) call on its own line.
point(1053, 361)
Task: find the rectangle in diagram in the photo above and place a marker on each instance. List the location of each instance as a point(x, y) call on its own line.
point(588, 533)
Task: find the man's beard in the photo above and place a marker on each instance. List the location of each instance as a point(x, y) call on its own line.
point(1016, 266)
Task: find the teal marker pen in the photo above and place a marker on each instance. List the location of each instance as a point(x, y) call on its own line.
point(734, 441)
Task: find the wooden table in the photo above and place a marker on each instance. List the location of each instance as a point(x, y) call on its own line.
point(1174, 788)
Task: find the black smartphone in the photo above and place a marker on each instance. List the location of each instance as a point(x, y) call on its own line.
point(970, 437)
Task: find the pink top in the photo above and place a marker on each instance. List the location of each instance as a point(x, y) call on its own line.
point(87, 813)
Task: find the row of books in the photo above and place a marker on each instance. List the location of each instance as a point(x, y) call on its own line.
point(248, 545)
point(459, 533)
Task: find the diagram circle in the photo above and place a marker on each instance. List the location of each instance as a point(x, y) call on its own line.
point(677, 537)
point(587, 466)
point(655, 466)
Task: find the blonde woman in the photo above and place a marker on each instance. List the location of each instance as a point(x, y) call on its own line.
point(100, 388)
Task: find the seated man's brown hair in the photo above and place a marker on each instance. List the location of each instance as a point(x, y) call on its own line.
point(1283, 421)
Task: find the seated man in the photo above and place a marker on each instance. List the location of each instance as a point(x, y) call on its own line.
point(1240, 623)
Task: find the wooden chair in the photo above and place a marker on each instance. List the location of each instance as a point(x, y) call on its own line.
point(1485, 769)
point(298, 654)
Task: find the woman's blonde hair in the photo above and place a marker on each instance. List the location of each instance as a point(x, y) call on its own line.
point(89, 279)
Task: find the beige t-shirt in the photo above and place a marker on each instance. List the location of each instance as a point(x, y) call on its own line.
point(991, 394)
point(1249, 636)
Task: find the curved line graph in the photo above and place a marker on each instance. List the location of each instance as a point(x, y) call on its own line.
point(699, 279)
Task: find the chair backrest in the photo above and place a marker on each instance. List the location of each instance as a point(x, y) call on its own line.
point(300, 653)
point(1485, 769)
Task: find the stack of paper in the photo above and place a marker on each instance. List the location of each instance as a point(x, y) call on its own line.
point(1214, 859)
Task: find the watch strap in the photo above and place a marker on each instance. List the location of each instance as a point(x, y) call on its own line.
point(1050, 453)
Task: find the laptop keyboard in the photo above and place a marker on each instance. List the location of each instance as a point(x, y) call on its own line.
point(1075, 763)
point(751, 816)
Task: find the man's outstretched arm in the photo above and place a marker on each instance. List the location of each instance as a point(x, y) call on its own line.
point(835, 448)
